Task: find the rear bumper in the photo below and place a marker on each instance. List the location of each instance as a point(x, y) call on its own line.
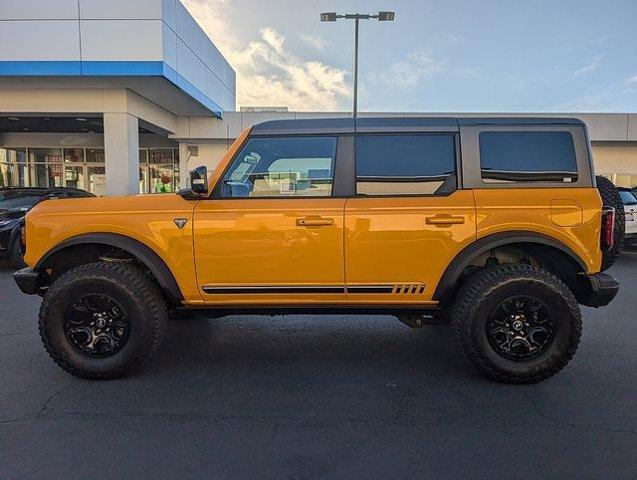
point(31, 281)
point(601, 288)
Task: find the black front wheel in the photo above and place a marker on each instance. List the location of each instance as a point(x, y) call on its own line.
point(516, 323)
point(102, 320)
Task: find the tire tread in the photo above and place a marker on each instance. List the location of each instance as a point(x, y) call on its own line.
point(477, 288)
point(137, 284)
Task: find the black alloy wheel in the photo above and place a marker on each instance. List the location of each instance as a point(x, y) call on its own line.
point(520, 328)
point(96, 325)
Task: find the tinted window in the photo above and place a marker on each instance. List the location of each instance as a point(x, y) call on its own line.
point(403, 164)
point(282, 167)
point(527, 157)
point(627, 198)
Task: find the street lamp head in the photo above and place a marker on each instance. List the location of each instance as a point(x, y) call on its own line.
point(328, 17)
point(386, 16)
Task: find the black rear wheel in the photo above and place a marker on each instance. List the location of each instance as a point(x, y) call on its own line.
point(102, 320)
point(516, 323)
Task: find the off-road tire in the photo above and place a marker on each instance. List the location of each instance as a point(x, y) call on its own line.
point(610, 198)
point(478, 298)
point(139, 296)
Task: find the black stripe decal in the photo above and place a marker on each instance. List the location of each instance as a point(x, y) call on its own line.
point(271, 290)
point(354, 289)
point(370, 288)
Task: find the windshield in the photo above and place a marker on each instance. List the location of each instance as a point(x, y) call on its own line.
point(627, 198)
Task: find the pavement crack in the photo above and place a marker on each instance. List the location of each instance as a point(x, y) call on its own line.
point(274, 431)
point(566, 423)
point(37, 413)
point(15, 334)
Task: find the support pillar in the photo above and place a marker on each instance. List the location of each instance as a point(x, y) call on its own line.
point(121, 148)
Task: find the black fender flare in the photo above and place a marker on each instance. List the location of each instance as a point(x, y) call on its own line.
point(463, 259)
point(145, 254)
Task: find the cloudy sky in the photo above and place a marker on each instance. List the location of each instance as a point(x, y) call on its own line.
point(452, 55)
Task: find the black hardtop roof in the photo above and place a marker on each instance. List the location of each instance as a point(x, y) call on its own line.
point(396, 124)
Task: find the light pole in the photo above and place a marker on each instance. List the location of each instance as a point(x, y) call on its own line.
point(381, 17)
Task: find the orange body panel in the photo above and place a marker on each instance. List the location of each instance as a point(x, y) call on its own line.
point(258, 242)
point(395, 240)
point(569, 215)
point(146, 218)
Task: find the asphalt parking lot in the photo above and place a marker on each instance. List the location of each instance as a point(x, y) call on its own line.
point(327, 397)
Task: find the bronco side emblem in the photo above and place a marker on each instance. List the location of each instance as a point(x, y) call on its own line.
point(180, 222)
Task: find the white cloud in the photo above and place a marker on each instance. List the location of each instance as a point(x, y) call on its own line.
point(632, 79)
point(414, 68)
point(267, 73)
point(315, 42)
point(591, 67)
point(423, 63)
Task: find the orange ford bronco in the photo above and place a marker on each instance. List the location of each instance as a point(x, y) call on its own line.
point(496, 226)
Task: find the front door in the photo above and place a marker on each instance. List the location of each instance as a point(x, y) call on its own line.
point(273, 233)
point(407, 221)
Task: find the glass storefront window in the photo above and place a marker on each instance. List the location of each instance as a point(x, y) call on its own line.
point(160, 155)
point(143, 179)
point(74, 155)
point(95, 155)
point(46, 167)
point(13, 167)
point(74, 176)
point(97, 180)
point(161, 178)
point(84, 168)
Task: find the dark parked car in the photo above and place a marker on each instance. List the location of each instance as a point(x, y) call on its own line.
point(15, 202)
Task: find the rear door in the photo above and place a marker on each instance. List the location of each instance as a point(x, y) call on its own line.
point(408, 219)
point(273, 233)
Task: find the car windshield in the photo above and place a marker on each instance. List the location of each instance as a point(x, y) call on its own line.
point(627, 197)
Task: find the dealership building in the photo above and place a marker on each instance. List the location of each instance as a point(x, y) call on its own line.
point(125, 96)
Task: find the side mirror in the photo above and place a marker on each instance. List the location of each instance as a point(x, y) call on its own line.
point(199, 181)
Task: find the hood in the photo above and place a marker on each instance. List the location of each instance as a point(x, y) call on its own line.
point(108, 205)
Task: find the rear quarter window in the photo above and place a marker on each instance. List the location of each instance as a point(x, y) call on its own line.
point(527, 157)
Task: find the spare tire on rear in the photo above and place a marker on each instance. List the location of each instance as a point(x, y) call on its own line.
point(610, 198)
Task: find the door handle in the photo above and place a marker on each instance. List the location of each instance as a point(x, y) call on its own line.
point(444, 219)
point(314, 221)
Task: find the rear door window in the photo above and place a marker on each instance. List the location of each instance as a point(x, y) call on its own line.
point(527, 157)
point(403, 164)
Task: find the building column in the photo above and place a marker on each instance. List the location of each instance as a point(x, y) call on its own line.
point(121, 148)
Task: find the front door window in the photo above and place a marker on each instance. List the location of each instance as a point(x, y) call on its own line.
point(282, 167)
